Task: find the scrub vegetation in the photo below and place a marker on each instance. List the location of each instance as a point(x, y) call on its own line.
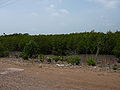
point(36, 46)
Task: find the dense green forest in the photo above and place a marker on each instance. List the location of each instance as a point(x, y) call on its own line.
point(63, 44)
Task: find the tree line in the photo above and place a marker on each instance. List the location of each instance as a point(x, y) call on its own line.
point(62, 44)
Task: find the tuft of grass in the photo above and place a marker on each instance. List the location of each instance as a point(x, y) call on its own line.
point(91, 62)
point(74, 60)
point(49, 60)
point(115, 67)
point(41, 57)
point(24, 56)
point(58, 58)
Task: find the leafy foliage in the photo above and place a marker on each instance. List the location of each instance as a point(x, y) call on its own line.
point(3, 51)
point(115, 67)
point(118, 60)
point(24, 56)
point(49, 60)
point(63, 44)
point(31, 49)
point(41, 57)
point(91, 62)
point(116, 49)
point(74, 60)
point(58, 58)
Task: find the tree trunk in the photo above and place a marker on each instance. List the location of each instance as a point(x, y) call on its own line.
point(97, 51)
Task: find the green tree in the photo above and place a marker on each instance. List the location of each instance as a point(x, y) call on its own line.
point(3, 51)
point(116, 49)
point(31, 49)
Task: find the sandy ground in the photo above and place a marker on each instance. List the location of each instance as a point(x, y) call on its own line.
point(55, 78)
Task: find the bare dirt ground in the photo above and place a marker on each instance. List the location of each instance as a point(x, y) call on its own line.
point(55, 78)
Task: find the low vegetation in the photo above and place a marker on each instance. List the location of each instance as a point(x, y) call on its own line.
point(91, 62)
point(41, 57)
point(115, 67)
point(74, 60)
point(63, 45)
point(3, 51)
point(24, 56)
point(118, 60)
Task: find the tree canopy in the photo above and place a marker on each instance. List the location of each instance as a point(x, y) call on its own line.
point(64, 44)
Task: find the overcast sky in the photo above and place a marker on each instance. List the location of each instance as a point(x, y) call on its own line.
point(58, 16)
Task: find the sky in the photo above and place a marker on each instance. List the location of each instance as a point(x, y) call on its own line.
point(58, 16)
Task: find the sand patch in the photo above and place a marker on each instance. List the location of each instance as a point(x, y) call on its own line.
point(10, 70)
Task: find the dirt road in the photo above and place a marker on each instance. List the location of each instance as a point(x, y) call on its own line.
point(51, 78)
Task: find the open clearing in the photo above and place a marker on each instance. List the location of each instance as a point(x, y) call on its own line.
point(20, 77)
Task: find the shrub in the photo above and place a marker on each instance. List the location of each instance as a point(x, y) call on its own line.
point(49, 60)
point(116, 49)
point(62, 58)
point(56, 59)
point(31, 49)
point(24, 56)
point(118, 60)
point(41, 57)
point(3, 51)
point(91, 62)
point(4, 54)
point(115, 67)
point(74, 60)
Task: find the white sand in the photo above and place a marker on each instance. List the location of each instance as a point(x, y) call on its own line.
point(10, 70)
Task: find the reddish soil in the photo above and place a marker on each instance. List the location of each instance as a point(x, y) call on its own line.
point(55, 78)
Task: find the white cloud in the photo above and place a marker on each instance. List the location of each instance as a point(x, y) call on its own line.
point(60, 12)
point(52, 6)
point(109, 3)
point(65, 11)
point(54, 11)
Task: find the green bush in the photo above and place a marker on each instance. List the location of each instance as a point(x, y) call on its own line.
point(118, 60)
point(115, 67)
point(3, 51)
point(24, 56)
point(31, 49)
point(49, 60)
point(91, 62)
point(116, 49)
point(4, 54)
point(41, 57)
point(62, 58)
point(74, 60)
point(56, 59)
